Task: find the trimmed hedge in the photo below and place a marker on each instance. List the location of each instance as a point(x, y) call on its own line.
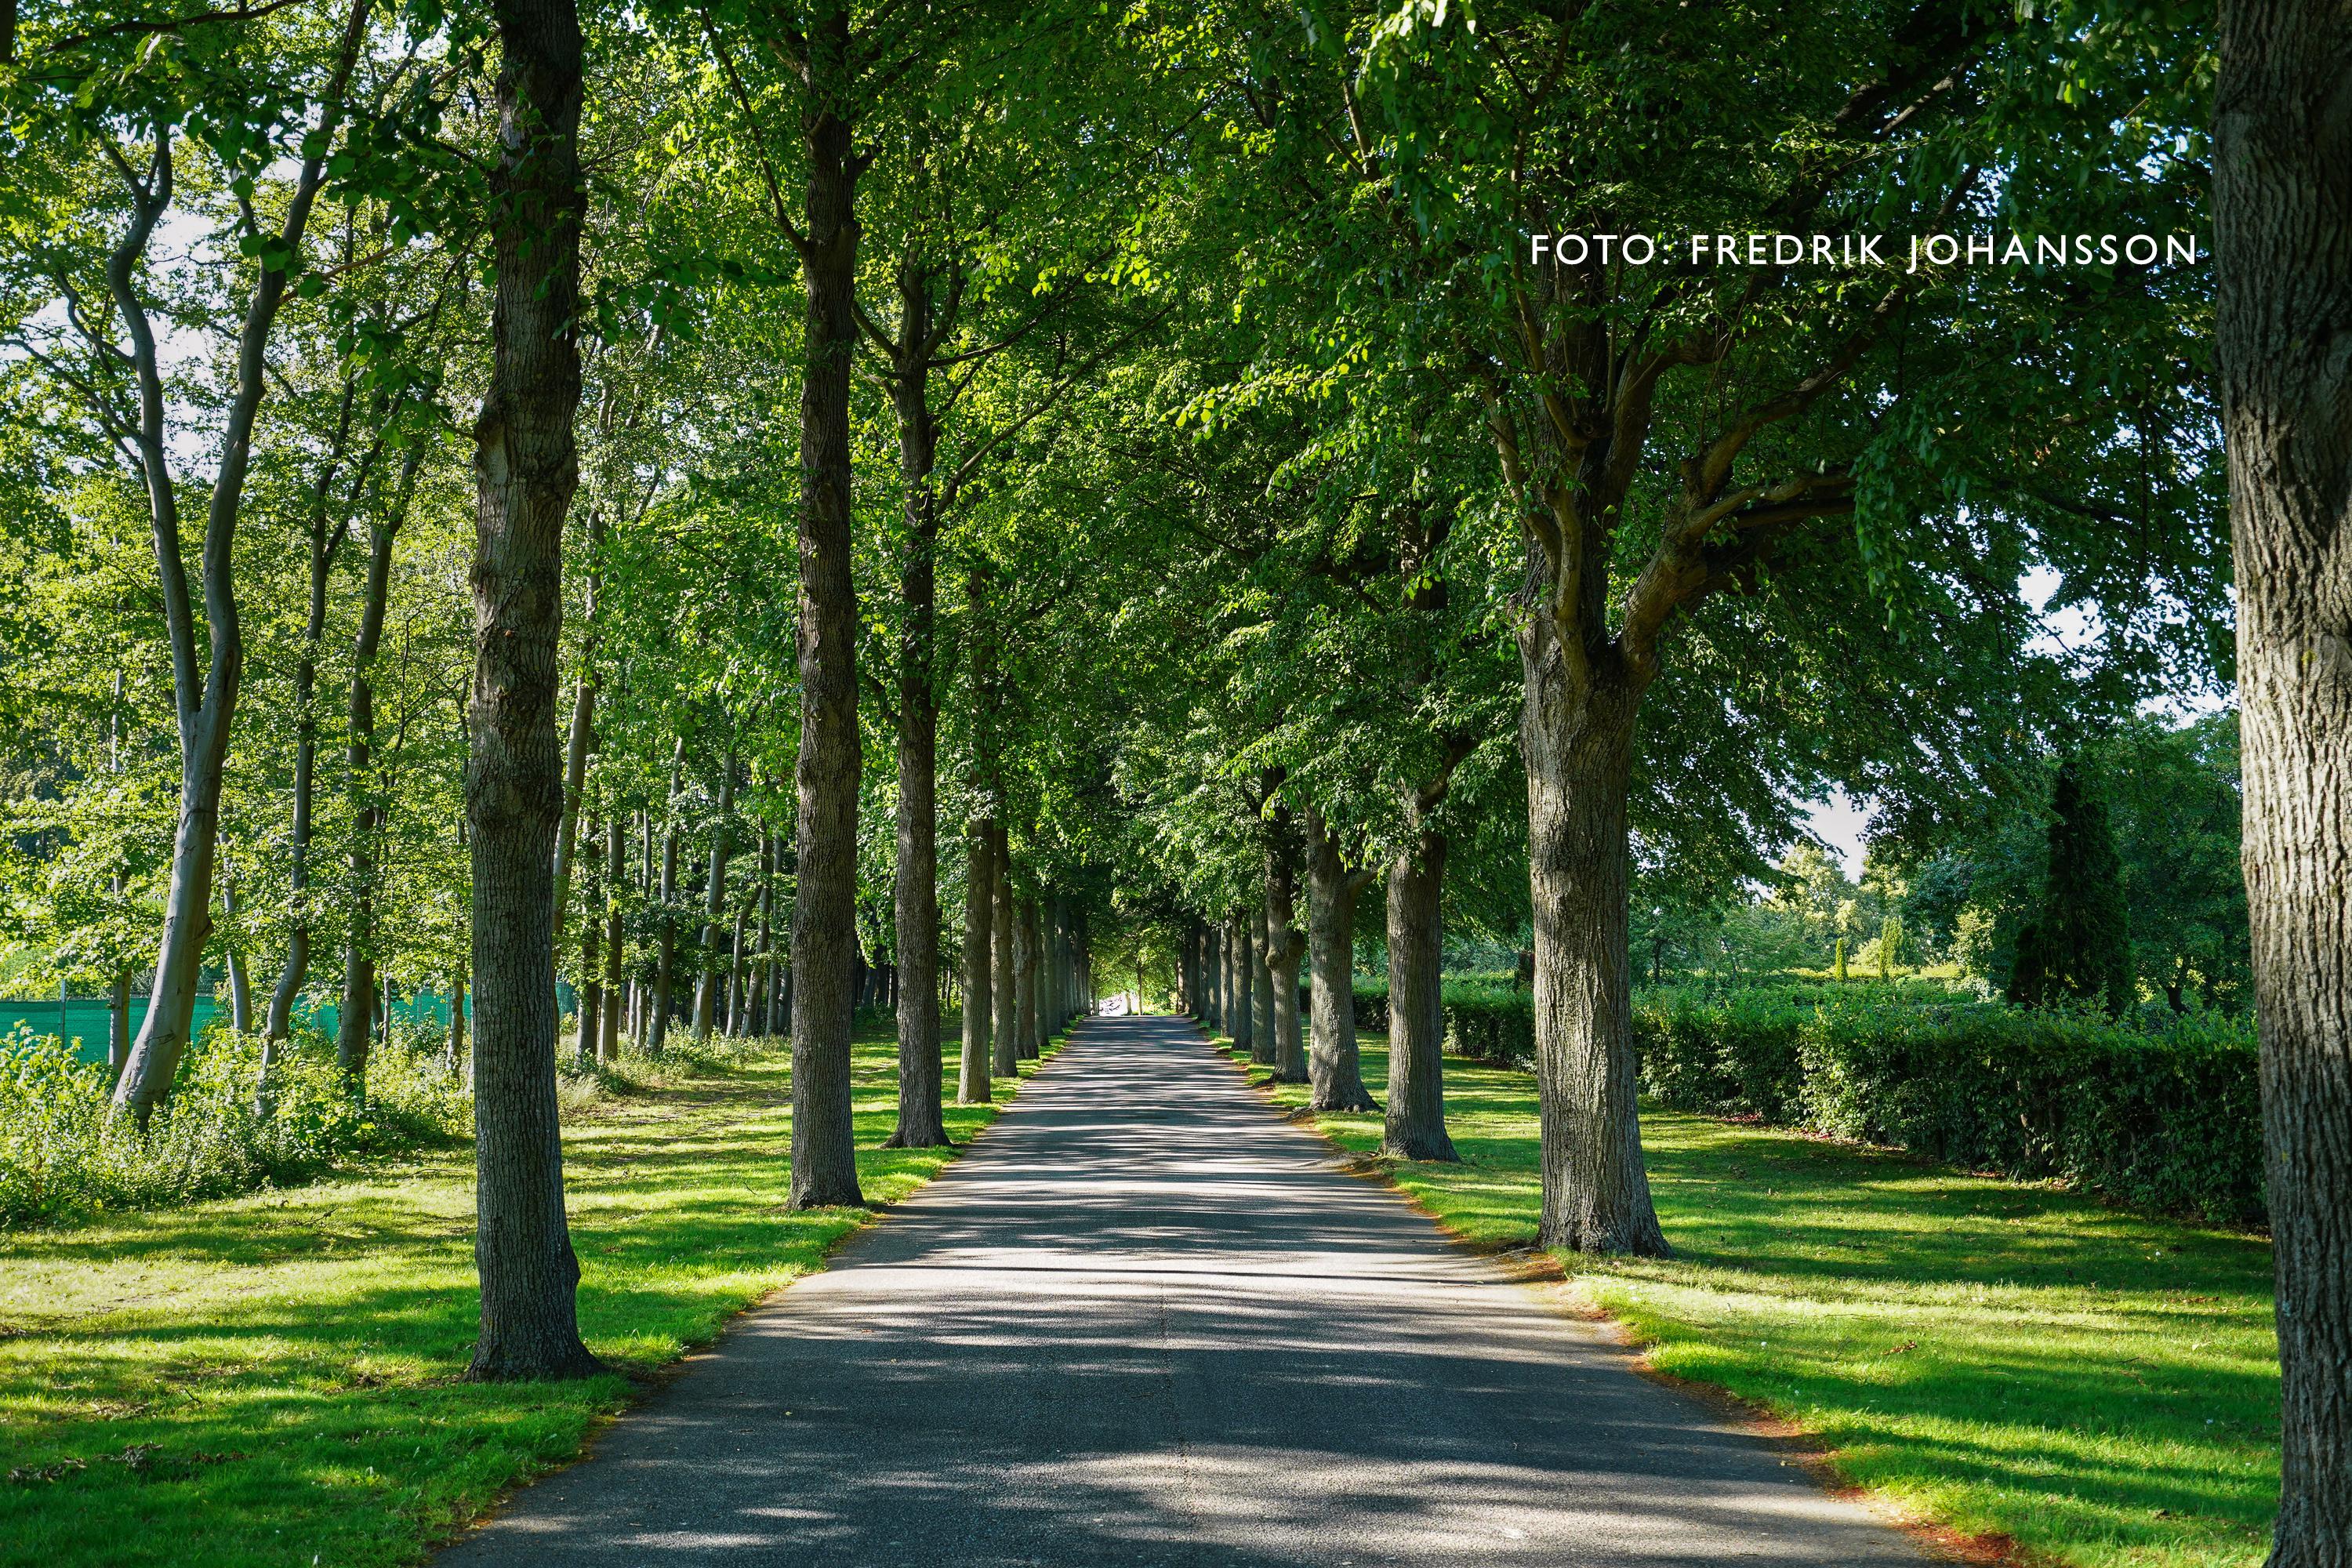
point(2162, 1114)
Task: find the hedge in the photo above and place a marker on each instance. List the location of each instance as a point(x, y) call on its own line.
point(2160, 1113)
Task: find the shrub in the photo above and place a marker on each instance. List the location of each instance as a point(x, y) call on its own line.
point(1493, 1021)
point(64, 1150)
point(2167, 1118)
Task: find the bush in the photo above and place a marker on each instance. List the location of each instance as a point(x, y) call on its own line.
point(2160, 1112)
point(2168, 1120)
point(64, 1150)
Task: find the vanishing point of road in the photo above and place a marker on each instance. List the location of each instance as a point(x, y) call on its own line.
point(1145, 1321)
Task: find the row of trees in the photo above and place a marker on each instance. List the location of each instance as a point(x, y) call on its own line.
point(1300, 526)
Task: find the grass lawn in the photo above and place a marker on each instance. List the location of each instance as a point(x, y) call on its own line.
point(2003, 1360)
point(273, 1379)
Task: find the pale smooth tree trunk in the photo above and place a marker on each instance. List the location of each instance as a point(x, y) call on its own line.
point(204, 699)
point(2282, 255)
point(1576, 738)
point(1334, 1065)
point(825, 1156)
point(1416, 1118)
point(972, 1086)
point(526, 466)
point(1005, 1050)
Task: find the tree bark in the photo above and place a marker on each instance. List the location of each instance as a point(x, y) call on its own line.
point(915, 890)
point(1283, 948)
point(1005, 1050)
point(1416, 1118)
point(324, 544)
point(1025, 979)
point(972, 1085)
point(824, 1161)
point(722, 849)
point(2282, 254)
point(658, 1009)
point(591, 969)
point(527, 467)
point(354, 1018)
point(608, 1038)
point(1334, 1066)
point(1576, 738)
point(583, 737)
point(1252, 995)
point(1220, 980)
point(456, 1045)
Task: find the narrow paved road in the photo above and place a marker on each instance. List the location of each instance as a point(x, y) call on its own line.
point(1146, 1322)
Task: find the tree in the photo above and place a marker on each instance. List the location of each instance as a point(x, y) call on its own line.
point(527, 463)
point(2083, 938)
point(2283, 256)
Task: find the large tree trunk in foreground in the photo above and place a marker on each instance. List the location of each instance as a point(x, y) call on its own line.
point(526, 467)
point(979, 973)
point(1004, 1056)
point(2283, 253)
point(824, 938)
point(1334, 1066)
point(1578, 748)
point(1416, 1120)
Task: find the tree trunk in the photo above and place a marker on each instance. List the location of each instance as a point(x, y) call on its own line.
point(915, 891)
point(203, 700)
point(658, 1009)
point(722, 848)
point(1334, 1067)
point(1005, 1050)
point(1578, 748)
point(592, 970)
point(583, 737)
point(1214, 1012)
point(608, 1038)
point(1416, 1119)
point(1025, 979)
point(764, 970)
point(241, 988)
point(357, 1014)
point(825, 1162)
point(2282, 255)
point(1280, 957)
point(1255, 991)
point(279, 1025)
point(456, 1047)
point(972, 1086)
point(735, 1005)
point(527, 467)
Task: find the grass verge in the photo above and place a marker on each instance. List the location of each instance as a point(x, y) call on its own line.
point(273, 1379)
point(2058, 1381)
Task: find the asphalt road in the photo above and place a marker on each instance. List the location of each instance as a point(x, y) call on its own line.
point(1145, 1321)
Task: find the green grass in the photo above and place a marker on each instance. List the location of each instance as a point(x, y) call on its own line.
point(274, 1379)
point(2002, 1360)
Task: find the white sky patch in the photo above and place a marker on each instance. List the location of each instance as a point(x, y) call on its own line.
point(1839, 822)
